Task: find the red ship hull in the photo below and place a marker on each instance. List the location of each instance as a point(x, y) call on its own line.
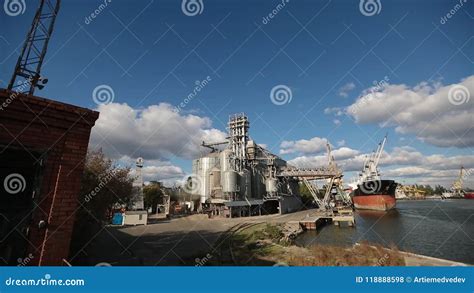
point(469, 195)
point(376, 202)
point(376, 195)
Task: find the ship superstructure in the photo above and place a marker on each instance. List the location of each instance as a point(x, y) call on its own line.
point(370, 191)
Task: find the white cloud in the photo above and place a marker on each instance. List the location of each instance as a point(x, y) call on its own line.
point(402, 156)
point(424, 110)
point(341, 142)
point(164, 173)
point(154, 133)
point(345, 89)
point(404, 164)
point(337, 122)
point(312, 146)
point(309, 161)
point(344, 153)
point(407, 172)
point(334, 110)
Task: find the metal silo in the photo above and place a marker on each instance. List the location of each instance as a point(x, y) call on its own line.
point(258, 183)
point(215, 181)
point(271, 185)
point(225, 160)
point(205, 166)
point(229, 181)
point(246, 184)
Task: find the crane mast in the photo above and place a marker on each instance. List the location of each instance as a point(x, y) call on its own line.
point(27, 74)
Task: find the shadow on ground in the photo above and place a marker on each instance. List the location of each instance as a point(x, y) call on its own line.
point(184, 241)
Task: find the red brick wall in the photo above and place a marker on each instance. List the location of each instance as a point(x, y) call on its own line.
point(59, 132)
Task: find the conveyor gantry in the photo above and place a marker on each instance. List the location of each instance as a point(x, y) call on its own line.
point(310, 174)
point(331, 173)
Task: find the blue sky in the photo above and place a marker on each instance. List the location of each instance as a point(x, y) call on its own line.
point(150, 52)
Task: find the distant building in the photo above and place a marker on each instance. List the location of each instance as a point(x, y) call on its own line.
point(135, 218)
point(413, 192)
point(137, 197)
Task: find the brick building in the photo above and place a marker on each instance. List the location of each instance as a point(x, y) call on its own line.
point(43, 144)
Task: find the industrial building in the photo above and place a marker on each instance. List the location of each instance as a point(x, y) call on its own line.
point(43, 147)
point(244, 179)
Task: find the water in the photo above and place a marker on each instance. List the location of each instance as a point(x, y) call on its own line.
point(438, 228)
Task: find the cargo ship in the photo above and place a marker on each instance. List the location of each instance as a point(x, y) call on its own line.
point(369, 191)
point(469, 195)
point(375, 195)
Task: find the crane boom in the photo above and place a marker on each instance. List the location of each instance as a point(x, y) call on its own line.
point(380, 150)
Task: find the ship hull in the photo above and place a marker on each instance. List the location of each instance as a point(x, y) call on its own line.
point(376, 202)
point(469, 195)
point(376, 195)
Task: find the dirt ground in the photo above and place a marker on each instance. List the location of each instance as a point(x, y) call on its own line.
point(177, 241)
point(192, 240)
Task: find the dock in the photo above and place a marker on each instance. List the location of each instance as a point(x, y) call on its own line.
point(317, 221)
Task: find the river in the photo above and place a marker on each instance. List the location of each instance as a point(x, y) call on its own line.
point(438, 228)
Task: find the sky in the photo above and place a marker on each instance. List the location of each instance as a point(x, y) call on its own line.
point(165, 75)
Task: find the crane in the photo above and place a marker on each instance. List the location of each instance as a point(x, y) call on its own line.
point(27, 74)
point(370, 171)
point(331, 161)
point(457, 187)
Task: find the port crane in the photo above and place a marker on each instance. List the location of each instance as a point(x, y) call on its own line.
point(27, 75)
point(457, 187)
point(370, 169)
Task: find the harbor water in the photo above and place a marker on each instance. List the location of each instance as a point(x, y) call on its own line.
point(437, 228)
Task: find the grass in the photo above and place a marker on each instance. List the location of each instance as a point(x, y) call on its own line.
point(359, 255)
point(262, 244)
point(254, 244)
point(260, 232)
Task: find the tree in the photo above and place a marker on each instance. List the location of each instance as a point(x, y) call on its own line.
point(103, 186)
point(439, 189)
point(305, 194)
point(153, 195)
point(427, 189)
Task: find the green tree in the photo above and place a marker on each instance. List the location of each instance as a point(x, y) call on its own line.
point(305, 194)
point(153, 195)
point(439, 189)
point(427, 189)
